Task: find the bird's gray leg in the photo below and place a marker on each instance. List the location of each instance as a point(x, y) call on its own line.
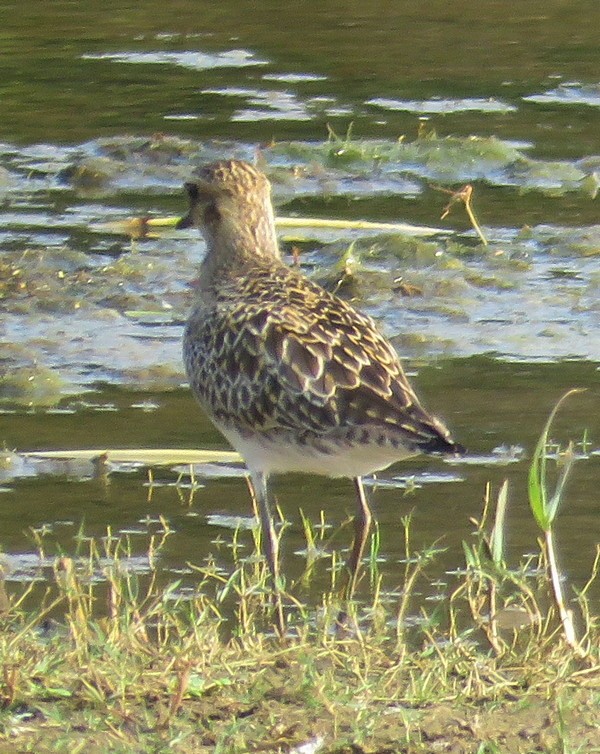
point(269, 540)
point(362, 526)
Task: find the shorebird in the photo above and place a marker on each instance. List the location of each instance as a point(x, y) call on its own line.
point(293, 376)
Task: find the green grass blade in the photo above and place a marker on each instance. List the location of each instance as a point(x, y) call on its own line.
point(542, 510)
point(497, 539)
point(536, 483)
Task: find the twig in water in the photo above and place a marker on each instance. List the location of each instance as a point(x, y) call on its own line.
point(464, 195)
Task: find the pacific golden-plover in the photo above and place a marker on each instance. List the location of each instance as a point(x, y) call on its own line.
point(294, 377)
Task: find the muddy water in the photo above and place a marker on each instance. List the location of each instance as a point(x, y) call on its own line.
point(105, 111)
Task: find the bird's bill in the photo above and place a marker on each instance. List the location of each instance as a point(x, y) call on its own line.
point(185, 222)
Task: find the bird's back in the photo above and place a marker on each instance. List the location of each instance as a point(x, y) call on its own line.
point(298, 380)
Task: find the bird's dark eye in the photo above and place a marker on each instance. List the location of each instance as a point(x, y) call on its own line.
point(192, 191)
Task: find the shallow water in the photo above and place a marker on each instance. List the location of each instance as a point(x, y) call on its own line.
point(106, 109)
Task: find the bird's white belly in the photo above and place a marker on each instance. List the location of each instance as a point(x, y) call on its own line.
point(276, 456)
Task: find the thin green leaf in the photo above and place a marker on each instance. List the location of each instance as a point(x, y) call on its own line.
point(58, 692)
point(497, 543)
point(470, 559)
point(537, 483)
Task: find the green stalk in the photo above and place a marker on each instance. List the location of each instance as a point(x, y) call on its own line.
point(566, 616)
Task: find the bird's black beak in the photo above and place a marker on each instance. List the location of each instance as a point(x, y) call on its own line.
point(191, 189)
point(185, 221)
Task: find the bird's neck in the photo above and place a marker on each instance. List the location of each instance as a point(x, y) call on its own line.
point(233, 248)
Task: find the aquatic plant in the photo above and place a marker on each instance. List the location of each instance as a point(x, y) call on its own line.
point(544, 506)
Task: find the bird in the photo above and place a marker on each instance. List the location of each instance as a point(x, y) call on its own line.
point(293, 376)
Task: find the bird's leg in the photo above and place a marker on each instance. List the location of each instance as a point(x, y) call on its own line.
point(362, 526)
point(269, 541)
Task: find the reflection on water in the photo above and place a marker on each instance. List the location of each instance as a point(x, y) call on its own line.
point(569, 94)
point(441, 105)
point(73, 64)
point(197, 61)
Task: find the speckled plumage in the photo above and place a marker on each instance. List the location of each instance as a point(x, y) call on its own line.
point(293, 376)
point(277, 360)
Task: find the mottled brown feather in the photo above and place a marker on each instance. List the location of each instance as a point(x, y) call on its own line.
point(352, 378)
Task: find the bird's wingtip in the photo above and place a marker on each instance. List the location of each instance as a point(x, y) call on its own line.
point(443, 446)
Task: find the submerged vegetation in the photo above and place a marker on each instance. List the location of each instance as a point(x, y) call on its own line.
point(107, 656)
point(338, 165)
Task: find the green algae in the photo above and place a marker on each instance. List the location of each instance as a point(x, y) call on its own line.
point(127, 161)
point(35, 385)
point(490, 281)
